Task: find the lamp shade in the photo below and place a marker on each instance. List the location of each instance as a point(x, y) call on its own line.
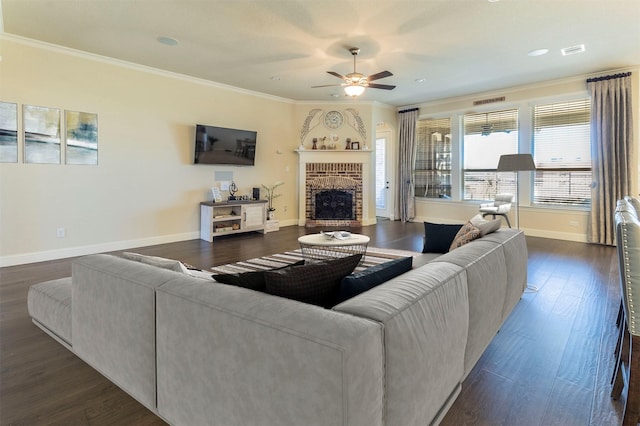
point(516, 163)
point(354, 90)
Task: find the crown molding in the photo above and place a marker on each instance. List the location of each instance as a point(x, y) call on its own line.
point(136, 67)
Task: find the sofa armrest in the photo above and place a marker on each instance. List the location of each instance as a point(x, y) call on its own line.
point(113, 320)
point(425, 313)
point(243, 357)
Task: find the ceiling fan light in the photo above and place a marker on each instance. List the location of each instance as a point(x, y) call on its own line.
point(353, 90)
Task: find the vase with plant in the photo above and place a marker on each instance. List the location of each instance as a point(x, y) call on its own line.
point(271, 195)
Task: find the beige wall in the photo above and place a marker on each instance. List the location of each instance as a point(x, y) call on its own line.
point(567, 224)
point(145, 189)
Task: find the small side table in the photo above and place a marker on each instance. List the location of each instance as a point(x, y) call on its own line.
point(318, 246)
point(271, 225)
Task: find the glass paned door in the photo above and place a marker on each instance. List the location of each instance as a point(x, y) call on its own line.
point(383, 193)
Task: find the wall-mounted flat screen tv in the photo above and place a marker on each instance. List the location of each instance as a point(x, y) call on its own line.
point(219, 145)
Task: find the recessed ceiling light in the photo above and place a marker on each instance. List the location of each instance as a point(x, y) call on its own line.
point(573, 50)
point(334, 95)
point(275, 77)
point(167, 41)
point(494, 1)
point(538, 52)
point(420, 80)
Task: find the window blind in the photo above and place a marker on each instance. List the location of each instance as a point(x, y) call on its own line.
point(562, 153)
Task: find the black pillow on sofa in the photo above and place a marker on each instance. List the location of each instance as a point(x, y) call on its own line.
point(253, 280)
point(438, 237)
point(315, 283)
point(357, 283)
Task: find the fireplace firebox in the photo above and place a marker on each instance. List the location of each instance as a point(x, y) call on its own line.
point(333, 204)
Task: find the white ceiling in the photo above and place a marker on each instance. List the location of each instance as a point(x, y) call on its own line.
point(283, 47)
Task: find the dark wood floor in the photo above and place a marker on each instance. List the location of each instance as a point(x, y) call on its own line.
point(549, 365)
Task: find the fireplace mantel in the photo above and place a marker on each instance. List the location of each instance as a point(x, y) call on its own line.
point(361, 156)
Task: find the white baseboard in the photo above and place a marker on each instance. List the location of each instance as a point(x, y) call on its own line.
point(532, 232)
point(43, 256)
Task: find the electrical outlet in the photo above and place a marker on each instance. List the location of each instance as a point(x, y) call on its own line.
point(573, 223)
point(60, 232)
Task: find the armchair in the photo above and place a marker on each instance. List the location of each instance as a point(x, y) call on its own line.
point(500, 207)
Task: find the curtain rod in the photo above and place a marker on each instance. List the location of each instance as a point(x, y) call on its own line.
point(408, 110)
point(609, 77)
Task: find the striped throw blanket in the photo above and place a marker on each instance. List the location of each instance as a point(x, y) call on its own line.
point(374, 256)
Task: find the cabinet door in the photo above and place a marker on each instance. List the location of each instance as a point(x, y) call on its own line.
point(254, 217)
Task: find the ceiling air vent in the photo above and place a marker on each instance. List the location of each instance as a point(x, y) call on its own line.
point(572, 50)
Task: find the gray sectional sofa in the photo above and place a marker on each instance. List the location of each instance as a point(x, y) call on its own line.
point(198, 353)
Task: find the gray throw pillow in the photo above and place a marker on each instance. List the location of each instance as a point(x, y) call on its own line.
point(160, 262)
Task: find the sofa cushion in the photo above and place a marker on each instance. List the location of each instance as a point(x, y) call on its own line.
point(465, 235)
point(315, 283)
point(49, 303)
point(486, 226)
point(253, 280)
point(359, 282)
point(438, 237)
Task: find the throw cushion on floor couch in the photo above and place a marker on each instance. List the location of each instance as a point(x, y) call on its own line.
point(359, 282)
point(315, 283)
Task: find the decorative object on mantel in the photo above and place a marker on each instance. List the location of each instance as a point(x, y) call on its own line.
point(323, 139)
point(315, 143)
point(270, 197)
point(355, 145)
point(348, 146)
point(309, 123)
point(354, 120)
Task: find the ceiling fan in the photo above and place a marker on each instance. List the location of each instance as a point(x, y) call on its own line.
point(355, 83)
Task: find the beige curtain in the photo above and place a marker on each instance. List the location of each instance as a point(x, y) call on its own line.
point(611, 152)
point(405, 206)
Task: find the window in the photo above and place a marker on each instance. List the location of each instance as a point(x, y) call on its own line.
point(487, 136)
point(432, 172)
point(562, 153)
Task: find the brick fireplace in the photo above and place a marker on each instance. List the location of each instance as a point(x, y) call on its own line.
point(333, 195)
point(334, 188)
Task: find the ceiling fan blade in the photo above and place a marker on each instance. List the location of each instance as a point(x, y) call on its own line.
point(327, 85)
point(381, 86)
point(381, 74)
point(337, 75)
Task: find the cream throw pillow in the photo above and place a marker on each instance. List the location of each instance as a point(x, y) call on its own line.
point(485, 226)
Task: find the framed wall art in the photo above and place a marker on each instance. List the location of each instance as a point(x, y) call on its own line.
point(41, 126)
point(8, 132)
point(81, 138)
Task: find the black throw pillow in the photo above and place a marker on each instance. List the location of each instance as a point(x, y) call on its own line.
point(315, 283)
point(359, 282)
point(438, 237)
point(253, 280)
